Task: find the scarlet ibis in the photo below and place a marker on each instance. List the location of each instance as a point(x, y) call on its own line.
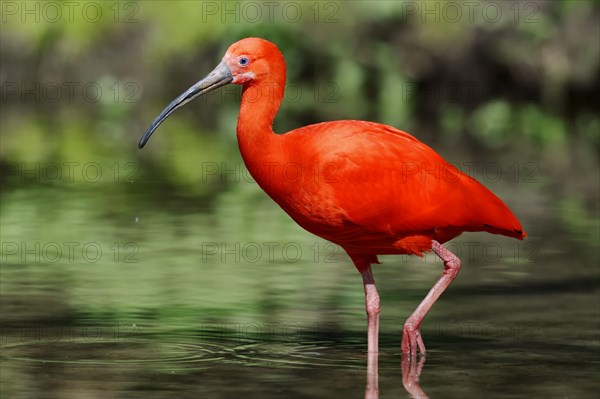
point(370, 188)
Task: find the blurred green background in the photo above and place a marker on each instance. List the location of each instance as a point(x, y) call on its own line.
point(506, 90)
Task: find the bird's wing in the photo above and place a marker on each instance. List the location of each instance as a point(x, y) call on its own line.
point(383, 179)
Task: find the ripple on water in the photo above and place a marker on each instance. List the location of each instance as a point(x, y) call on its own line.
point(113, 353)
point(192, 352)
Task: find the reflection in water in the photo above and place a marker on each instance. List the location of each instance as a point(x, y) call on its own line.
point(372, 388)
point(411, 371)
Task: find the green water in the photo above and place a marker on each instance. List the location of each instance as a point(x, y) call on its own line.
point(125, 289)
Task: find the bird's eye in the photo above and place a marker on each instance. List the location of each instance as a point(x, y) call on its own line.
point(244, 61)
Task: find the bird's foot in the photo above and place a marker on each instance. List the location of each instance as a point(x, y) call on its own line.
point(412, 341)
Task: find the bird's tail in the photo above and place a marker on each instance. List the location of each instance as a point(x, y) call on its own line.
point(494, 216)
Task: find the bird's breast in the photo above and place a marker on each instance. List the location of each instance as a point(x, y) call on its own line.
point(301, 189)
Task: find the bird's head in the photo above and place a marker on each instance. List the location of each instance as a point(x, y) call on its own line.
point(253, 60)
point(249, 62)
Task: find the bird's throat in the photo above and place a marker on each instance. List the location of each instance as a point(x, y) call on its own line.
point(259, 145)
point(259, 105)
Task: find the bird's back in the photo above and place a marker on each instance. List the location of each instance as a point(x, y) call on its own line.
point(373, 188)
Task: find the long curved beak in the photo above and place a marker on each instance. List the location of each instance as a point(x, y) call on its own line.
point(220, 76)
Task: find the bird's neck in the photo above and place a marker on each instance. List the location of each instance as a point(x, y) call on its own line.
point(261, 149)
point(259, 106)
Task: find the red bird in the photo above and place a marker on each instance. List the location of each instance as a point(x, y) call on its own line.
point(370, 188)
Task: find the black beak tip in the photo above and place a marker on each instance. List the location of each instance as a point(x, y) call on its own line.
point(146, 136)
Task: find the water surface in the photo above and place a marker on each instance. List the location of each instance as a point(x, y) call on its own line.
point(114, 293)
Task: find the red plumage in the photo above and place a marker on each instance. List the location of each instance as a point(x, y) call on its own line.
point(374, 189)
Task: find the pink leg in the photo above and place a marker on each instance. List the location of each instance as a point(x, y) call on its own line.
point(372, 305)
point(411, 336)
